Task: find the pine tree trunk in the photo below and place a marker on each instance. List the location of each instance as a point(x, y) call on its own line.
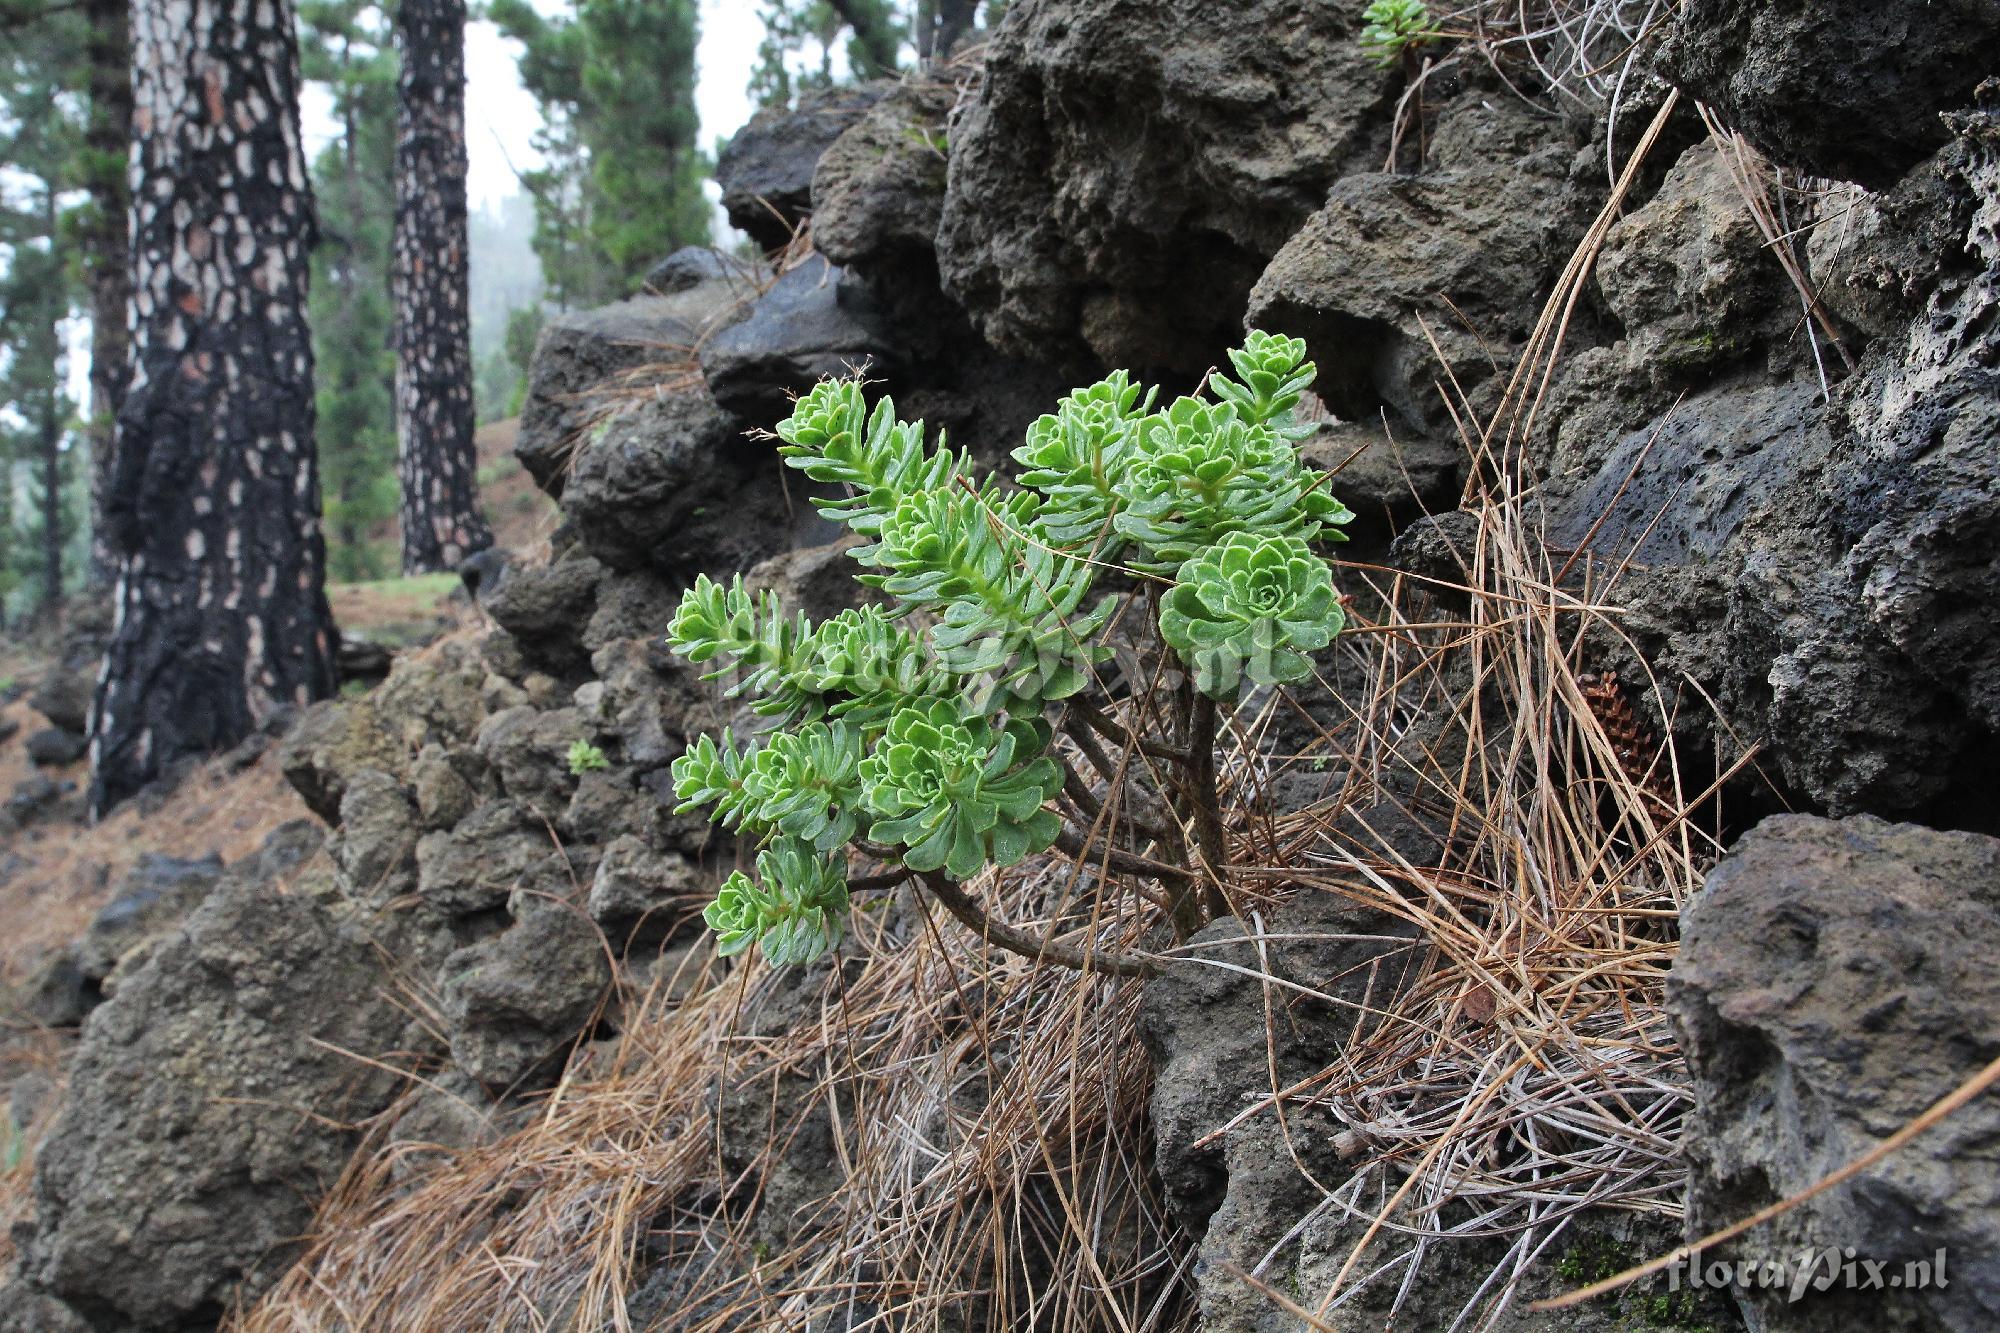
point(107, 263)
point(212, 503)
point(49, 457)
point(436, 461)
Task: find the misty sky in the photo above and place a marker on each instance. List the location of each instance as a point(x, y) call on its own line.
point(501, 119)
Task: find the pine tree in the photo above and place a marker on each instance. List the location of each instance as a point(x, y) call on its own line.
point(622, 184)
point(43, 59)
point(345, 47)
point(104, 247)
point(437, 464)
point(801, 37)
point(212, 505)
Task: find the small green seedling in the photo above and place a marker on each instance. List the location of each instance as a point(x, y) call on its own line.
point(1391, 29)
point(586, 758)
point(923, 731)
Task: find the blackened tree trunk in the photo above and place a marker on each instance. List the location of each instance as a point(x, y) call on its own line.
point(106, 248)
point(436, 461)
point(50, 462)
point(212, 504)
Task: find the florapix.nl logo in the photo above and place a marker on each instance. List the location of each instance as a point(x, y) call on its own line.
point(1810, 1269)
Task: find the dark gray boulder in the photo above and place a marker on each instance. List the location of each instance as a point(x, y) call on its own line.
point(210, 1101)
point(1850, 89)
point(818, 580)
point(1834, 980)
point(1241, 1193)
point(673, 484)
point(52, 747)
point(1875, 258)
point(641, 892)
point(692, 265)
point(35, 797)
point(1461, 253)
point(514, 1004)
point(584, 357)
point(156, 895)
point(1694, 298)
point(475, 866)
point(878, 191)
point(652, 700)
point(1815, 568)
point(63, 696)
point(529, 750)
point(609, 805)
point(636, 604)
point(545, 608)
point(1387, 480)
point(812, 323)
point(375, 845)
point(443, 794)
point(766, 168)
point(1127, 170)
point(334, 740)
point(57, 994)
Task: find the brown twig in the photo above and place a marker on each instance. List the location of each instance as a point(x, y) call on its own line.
point(955, 900)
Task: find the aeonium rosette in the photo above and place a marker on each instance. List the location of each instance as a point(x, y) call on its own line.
point(1250, 605)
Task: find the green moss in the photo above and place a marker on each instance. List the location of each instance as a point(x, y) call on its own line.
point(1645, 1308)
point(1593, 1259)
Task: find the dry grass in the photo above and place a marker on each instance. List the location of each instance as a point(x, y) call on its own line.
point(72, 871)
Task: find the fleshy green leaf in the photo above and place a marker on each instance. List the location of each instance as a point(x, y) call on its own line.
point(1250, 605)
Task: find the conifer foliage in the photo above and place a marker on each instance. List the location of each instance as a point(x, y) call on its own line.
point(345, 47)
point(621, 188)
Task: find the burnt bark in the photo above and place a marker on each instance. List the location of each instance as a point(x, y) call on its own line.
point(212, 505)
point(107, 270)
point(49, 453)
point(436, 462)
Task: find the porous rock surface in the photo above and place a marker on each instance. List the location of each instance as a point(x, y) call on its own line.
point(209, 1103)
point(1811, 563)
point(1127, 169)
point(1459, 255)
point(583, 357)
point(1835, 980)
point(1852, 89)
point(766, 169)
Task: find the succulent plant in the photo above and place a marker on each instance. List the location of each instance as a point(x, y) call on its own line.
point(795, 909)
point(1251, 604)
point(917, 728)
point(959, 794)
point(1076, 458)
point(802, 783)
point(1389, 28)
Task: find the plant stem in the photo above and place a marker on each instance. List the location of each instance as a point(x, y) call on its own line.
point(1071, 842)
point(1015, 940)
point(1086, 800)
point(1204, 804)
point(1112, 731)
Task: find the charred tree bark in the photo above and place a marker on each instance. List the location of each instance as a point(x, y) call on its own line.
point(107, 141)
point(49, 447)
point(436, 462)
point(212, 504)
